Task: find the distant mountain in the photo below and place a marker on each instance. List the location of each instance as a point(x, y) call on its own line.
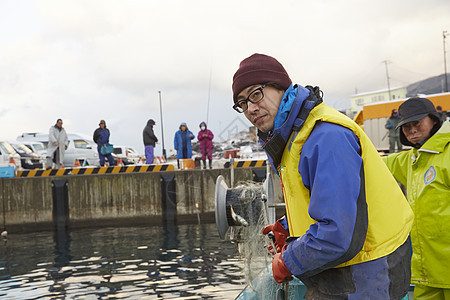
point(432, 85)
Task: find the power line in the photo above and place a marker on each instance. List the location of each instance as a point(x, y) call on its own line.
point(409, 71)
point(401, 81)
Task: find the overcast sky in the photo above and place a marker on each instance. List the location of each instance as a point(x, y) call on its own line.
point(87, 60)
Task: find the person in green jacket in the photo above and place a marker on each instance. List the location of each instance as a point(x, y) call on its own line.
point(425, 172)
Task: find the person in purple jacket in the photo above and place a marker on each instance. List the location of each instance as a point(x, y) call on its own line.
point(205, 137)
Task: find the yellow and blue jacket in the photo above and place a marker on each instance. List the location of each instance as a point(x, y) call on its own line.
point(348, 219)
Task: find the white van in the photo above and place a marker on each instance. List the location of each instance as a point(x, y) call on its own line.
point(80, 147)
point(37, 147)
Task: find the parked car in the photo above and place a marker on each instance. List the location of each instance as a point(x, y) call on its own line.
point(80, 147)
point(37, 147)
point(7, 152)
point(128, 153)
point(28, 158)
point(34, 137)
point(125, 160)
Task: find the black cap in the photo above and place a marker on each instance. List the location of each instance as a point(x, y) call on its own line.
point(415, 109)
point(151, 121)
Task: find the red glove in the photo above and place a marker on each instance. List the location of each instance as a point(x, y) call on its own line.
point(279, 269)
point(270, 250)
point(279, 232)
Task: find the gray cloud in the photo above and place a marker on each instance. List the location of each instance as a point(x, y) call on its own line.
point(89, 60)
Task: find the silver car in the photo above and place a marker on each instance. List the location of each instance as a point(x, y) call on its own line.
point(6, 153)
point(80, 148)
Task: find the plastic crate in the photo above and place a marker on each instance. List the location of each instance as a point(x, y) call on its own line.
point(187, 164)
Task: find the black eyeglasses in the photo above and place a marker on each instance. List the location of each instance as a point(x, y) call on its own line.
point(254, 97)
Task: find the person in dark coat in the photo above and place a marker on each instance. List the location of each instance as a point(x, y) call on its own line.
point(182, 143)
point(150, 140)
point(394, 132)
point(205, 137)
point(101, 137)
point(442, 114)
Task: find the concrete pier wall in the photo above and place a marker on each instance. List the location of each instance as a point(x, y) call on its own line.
point(114, 199)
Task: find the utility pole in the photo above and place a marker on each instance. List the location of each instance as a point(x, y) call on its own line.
point(444, 35)
point(387, 76)
point(162, 126)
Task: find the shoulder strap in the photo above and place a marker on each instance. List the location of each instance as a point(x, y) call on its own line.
point(274, 145)
point(314, 99)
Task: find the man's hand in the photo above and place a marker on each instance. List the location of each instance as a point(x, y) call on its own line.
point(279, 269)
point(279, 233)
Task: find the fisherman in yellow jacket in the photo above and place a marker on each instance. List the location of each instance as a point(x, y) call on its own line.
point(425, 171)
point(347, 222)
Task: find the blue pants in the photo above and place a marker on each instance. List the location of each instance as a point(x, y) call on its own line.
point(149, 154)
point(102, 157)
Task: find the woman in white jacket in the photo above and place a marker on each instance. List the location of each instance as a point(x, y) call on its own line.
point(57, 144)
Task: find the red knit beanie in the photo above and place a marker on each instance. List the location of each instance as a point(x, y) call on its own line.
point(259, 69)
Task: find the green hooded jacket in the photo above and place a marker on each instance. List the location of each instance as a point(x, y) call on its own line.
point(426, 174)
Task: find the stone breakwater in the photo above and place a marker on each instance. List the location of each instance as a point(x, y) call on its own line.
point(155, 198)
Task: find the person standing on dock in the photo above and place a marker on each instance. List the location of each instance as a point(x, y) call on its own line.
point(393, 132)
point(150, 141)
point(425, 172)
point(347, 225)
point(182, 143)
point(101, 137)
point(205, 137)
point(442, 115)
point(57, 145)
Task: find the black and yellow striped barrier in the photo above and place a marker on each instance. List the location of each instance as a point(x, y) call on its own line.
point(96, 171)
point(246, 163)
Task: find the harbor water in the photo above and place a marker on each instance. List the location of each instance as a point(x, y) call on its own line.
point(181, 262)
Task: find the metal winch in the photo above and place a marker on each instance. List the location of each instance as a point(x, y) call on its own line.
point(243, 205)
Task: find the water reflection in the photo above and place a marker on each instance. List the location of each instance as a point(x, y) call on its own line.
point(178, 262)
point(61, 240)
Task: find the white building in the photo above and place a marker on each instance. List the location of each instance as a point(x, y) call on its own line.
point(357, 101)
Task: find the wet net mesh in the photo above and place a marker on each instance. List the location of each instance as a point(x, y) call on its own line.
point(250, 241)
point(252, 244)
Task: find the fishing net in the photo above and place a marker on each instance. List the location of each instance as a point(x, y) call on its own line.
point(250, 241)
point(250, 201)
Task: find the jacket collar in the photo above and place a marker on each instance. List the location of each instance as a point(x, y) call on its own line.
point(275, 141)
point(439, 140)
point(286, 127)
